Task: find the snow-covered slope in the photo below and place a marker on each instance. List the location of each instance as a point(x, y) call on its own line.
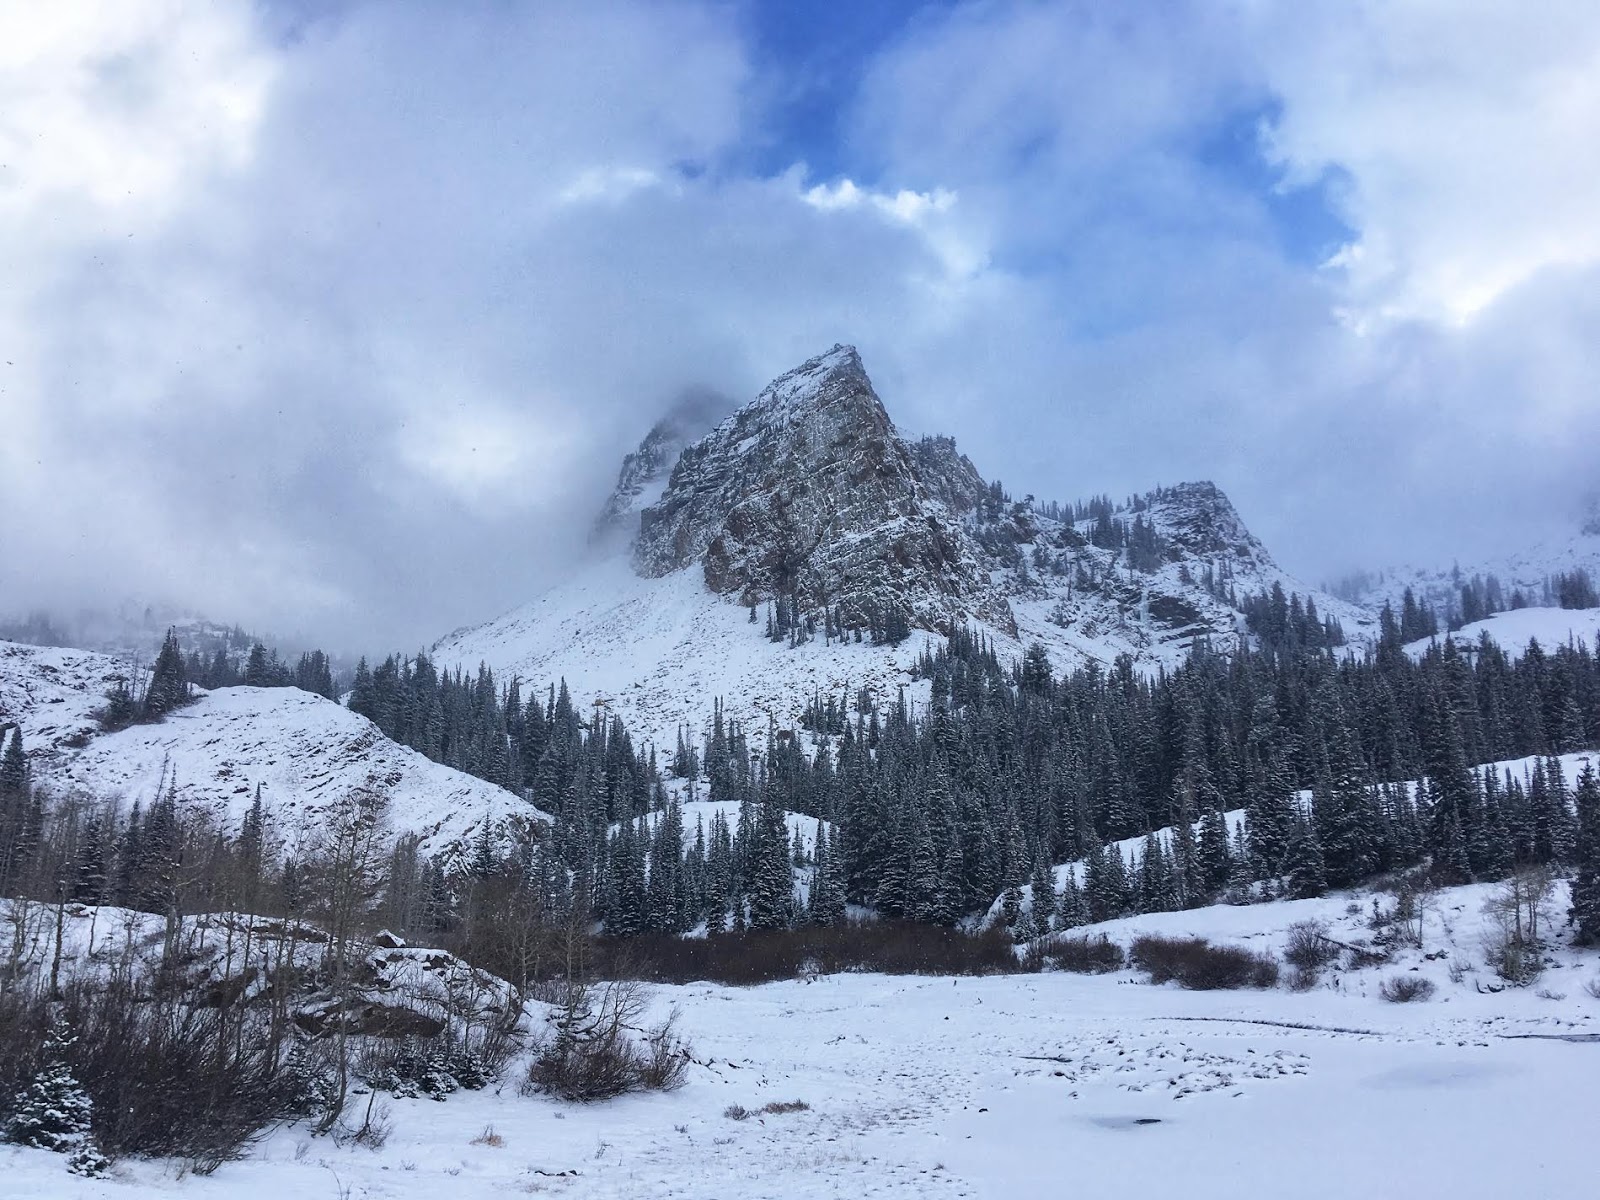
point(808, 496)
point(657, 652)
point(1528, 569)
point(1514, 629)
point(53, 695)
point(307, 753)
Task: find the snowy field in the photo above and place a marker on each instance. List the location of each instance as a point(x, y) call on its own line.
point(1022, 1086)
point(1514, 629)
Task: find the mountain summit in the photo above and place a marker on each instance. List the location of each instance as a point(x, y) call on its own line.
point(809, 495)
point(800, 544)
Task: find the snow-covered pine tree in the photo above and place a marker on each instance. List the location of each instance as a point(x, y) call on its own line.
point(772, 881)
point(1070, 911)
point(1043, 885)
point(169, 681)
point(1307, 876)
point(54, 1112)
point(1213, 851)
point(1585, 910)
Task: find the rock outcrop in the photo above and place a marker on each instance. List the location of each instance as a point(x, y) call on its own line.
point(644, 472)
point(809, 494)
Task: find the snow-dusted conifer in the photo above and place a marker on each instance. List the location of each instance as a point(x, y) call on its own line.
point(53, 1112)
point(1585, 910)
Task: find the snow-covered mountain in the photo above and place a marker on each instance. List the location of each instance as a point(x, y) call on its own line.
point(644, 471)
point(1528, 569)
point(306, 753)
point(808, 507)
point(1513, 629)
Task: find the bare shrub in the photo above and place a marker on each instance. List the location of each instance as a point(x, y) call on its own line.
point(1512, 958)
point(165, 1079)
point(774, 1108)
point(1198, 965)
point(599, 1050)
point(1302, 980)
point(1308, 947)
point(1357, 957)
point(374, 1129)
point(1518, 908)
point(1403, 989)
point(1083, 955)
point(489, 1138)
point(890, 947)
point(1593, 987)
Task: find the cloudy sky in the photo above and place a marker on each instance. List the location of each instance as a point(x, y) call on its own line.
point(333, 318)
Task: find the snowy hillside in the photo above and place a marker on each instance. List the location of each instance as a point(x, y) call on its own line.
point(1528, 569)
point(808, 505)
point(53, 695)
point(657, 652)
point(306, 752)
point(698, 815)
point(1514, 629)
point(1131, 850)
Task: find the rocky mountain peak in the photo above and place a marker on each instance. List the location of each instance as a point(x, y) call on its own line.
point(808, 493)
point(644, 472)
point(1199, 520)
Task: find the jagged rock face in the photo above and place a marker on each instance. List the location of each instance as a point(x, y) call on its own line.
point(808, 491)
point(948, 475)
point(644, 472)
point(1200, 522)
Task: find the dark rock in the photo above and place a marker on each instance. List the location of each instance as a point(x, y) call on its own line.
point(365, 1017)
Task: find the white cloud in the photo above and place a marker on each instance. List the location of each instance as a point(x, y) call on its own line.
point(1469, 132)
point(401, 287)
point(117, 106)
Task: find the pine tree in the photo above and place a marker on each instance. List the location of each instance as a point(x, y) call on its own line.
point(1213, 852)
point(169, 681)
point(772, 880)
point(1307, 876)
point(1070, 909)
point(1585, 910)
point(53, 1112)
point(16, 808)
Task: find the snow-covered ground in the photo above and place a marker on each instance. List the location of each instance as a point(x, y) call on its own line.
point(1021, 1086)
point(658, 652)
point(53, 694)
point(307, 753)
point(1514, 629)
point(1526, 568)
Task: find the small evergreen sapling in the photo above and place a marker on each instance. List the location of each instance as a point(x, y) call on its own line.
point(52, 1112)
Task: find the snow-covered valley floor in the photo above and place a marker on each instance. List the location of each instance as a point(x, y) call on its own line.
point(1020, 1086)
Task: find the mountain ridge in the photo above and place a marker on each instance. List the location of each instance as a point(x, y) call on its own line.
point(803, 544)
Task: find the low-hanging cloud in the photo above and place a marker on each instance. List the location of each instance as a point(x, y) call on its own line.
point(336, 325)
